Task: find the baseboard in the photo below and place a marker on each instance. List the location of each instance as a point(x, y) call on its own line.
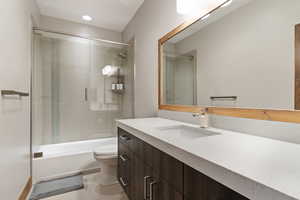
point(26, 190)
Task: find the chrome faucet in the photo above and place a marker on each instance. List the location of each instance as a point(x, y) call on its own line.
point(204, 120)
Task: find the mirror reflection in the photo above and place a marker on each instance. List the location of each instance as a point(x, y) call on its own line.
point(245, 54)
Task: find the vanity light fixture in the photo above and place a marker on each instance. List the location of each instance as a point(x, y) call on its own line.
point(87, 18)
point(195, 8)
point(184, 6)
point(192, 8)
point(226, 4)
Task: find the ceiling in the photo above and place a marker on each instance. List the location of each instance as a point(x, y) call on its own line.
point(109, 14)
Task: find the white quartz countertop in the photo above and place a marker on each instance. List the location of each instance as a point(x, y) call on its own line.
point(270, 163)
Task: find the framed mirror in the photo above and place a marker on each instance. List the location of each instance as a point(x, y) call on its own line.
point(240, 59)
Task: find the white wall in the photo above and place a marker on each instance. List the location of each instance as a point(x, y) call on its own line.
point(15, 58)
point(154, 19)
point(60, 25)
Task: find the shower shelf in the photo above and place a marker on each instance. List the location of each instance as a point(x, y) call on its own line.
point(118, 91)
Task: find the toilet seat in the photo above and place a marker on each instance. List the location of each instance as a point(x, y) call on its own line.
point(105, 152)
point(106, 156)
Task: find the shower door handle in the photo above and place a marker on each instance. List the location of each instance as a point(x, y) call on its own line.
point(85, 94)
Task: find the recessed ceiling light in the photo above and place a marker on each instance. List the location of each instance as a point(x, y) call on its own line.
point(87, 18)
point(227, 3)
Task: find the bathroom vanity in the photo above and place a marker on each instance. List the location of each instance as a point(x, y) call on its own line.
point(166, 159)
point(146, 172)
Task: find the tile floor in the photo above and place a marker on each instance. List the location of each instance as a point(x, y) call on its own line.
point(93, 191)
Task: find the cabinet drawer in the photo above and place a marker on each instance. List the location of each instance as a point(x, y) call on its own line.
point(124, 137)
point(124, 153)
point(164, 191)
point(124, 167)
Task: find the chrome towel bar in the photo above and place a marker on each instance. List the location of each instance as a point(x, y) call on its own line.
point(215, 98)
point(13, 92)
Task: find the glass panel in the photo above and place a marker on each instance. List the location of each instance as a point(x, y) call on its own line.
point(73, 99)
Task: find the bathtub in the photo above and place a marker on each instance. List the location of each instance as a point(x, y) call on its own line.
point(67, 158)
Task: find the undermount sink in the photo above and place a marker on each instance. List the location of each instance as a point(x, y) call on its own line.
point(187, 131)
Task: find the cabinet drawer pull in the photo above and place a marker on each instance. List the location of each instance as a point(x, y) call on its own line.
point(151, 189)
point(123, 182)
point(124, 137)
point(123, 158)
point(145, 186)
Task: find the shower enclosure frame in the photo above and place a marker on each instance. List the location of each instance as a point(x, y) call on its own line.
point(79, 36)
point(37, 30)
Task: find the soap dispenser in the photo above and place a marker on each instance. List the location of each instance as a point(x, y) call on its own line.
point(204, 119)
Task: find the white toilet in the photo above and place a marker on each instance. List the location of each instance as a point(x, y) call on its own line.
point(107, 159)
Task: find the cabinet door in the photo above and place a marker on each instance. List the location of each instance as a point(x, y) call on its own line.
point(152, 157)
point(171, 170)
point(167, 173)
point(195, 185)
point(198, 186)
point(165, 191)
point(141, 176)
point(164, 166)
point(125, 138)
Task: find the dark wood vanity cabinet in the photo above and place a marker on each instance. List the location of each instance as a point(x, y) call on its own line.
point(198, 186)
point(146, 173)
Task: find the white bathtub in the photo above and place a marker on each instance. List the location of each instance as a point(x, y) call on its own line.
point(67, 158)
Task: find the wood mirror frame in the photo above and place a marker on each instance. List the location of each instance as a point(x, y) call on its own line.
point(292, 116)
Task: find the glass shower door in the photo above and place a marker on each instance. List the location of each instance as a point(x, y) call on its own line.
point(73, 99)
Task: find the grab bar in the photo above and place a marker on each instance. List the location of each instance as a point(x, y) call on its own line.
point(214, 98)
point(13, 92)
